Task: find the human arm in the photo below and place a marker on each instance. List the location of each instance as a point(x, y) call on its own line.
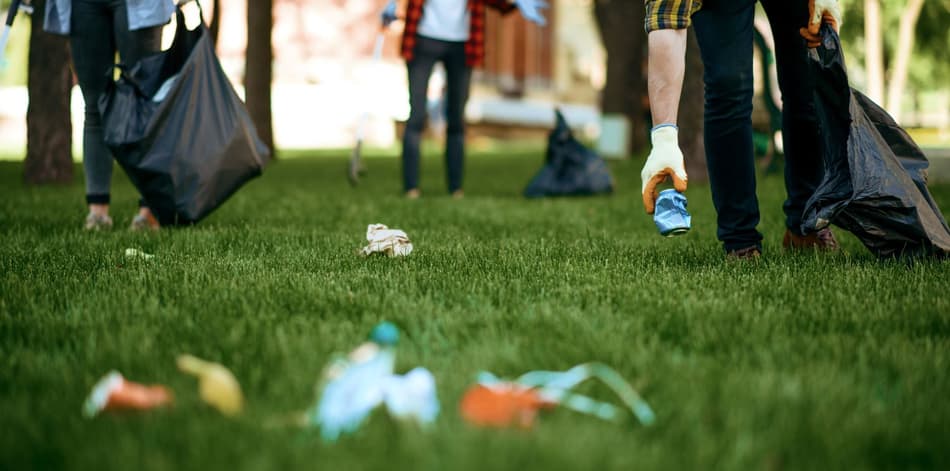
point(667, 56)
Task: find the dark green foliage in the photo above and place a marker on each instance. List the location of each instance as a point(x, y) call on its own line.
point(797, 362)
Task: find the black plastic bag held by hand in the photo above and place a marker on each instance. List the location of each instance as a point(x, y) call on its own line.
point(179, 130)
point(570, 169)
point(875, 182)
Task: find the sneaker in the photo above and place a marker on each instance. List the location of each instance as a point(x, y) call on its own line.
point(748, 253)
point(143, 223)
point(97, 222)
point(458, 194)
point(822, 240)
point(413, 194)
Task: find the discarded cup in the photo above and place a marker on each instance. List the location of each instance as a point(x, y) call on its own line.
point(670, 216)
point(217, 385)
point(115, 393)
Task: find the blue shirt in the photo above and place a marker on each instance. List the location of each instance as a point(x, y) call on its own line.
point(142, 14)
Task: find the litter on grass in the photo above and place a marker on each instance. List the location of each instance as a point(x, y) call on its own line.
point(386, 241)
point(115, 393)
point(352, 387)
point(494, 402)
point(138, 254)
point(217, 385)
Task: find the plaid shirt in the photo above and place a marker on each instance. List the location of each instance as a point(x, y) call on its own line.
point(474, 47)
point(670, 14)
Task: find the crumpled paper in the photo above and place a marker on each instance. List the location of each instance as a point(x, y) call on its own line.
point(386, 241)
point(136, 253)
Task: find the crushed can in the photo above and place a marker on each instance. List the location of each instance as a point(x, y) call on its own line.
point(670, 216)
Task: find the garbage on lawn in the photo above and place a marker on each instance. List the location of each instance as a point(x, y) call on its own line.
point(671, 216)
point(217, 385)
point(875, 182)
point(136, 253)
point(352, 387)
point(494, 402)
point(115, 393)
point(386, 241)
point(179, 130)
point(570, 169)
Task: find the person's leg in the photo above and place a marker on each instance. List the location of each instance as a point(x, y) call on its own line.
point(420, 69)
point(803, 164)
point(134, 46)
point(724, 31)
point(458, 78)
point(93, 50)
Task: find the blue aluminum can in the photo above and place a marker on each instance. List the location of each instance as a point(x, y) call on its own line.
point(670, 216)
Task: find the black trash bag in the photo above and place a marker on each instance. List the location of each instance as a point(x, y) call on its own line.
point(570, 169)
point(875, 182)
point(190, 149)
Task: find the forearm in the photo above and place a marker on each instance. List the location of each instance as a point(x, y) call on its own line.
point(666, 70)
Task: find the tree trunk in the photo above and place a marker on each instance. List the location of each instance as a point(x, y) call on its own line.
point(620, 23)
point(259, 73)
point(873, 38)
point(49, 133)
point(215, 26)
point(905, 46)
point(691, 112)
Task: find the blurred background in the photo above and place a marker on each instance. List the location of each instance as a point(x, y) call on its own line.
point(307, 90)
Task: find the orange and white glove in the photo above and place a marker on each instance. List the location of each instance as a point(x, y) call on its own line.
point(665, 161)
point(819, 12)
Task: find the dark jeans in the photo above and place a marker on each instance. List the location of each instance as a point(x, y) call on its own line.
point(458, 77)
point(99, 29)
point(724, 30)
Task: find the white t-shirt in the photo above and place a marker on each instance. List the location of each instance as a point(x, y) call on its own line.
point(448, 20)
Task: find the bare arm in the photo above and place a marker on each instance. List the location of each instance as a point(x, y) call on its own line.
point(665, 76)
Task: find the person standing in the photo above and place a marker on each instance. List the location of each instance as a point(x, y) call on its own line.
point(97, 29)
point(451, 32)
point(724, 30)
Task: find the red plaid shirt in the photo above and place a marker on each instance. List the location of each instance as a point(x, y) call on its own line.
point(474, 47)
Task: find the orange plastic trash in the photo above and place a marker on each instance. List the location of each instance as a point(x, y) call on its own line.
point(114, 393)
point(503, 405)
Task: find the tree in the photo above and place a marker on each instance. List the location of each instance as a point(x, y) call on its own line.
point(48, 127)
point(897, 34)
point(620, 23)
point(259, 73)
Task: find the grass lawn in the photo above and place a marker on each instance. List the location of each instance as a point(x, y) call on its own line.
point(800, 361)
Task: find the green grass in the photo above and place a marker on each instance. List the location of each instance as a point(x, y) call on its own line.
point(800, 361)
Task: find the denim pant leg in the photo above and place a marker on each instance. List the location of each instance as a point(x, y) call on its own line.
point(803, 166)
point(458, 78)
point(98, 29)
point(724, 30)
point(420, 68)
point(93, 49)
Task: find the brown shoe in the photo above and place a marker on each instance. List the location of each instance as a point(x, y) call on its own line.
point(821, 240)
point(144, 223)
point(748, 253)
point(413, 194)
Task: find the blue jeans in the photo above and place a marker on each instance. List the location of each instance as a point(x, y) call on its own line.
point(724, 31)
point(99, 29)
point(458, 77)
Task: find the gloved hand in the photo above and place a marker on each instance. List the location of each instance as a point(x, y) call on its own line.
point(820, 11)
point(388, 14)
point(529, 10)
point(665, 161)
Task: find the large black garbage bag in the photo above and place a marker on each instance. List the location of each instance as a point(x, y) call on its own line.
point(875, 182)
point(193, 145)
point(570, 169)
